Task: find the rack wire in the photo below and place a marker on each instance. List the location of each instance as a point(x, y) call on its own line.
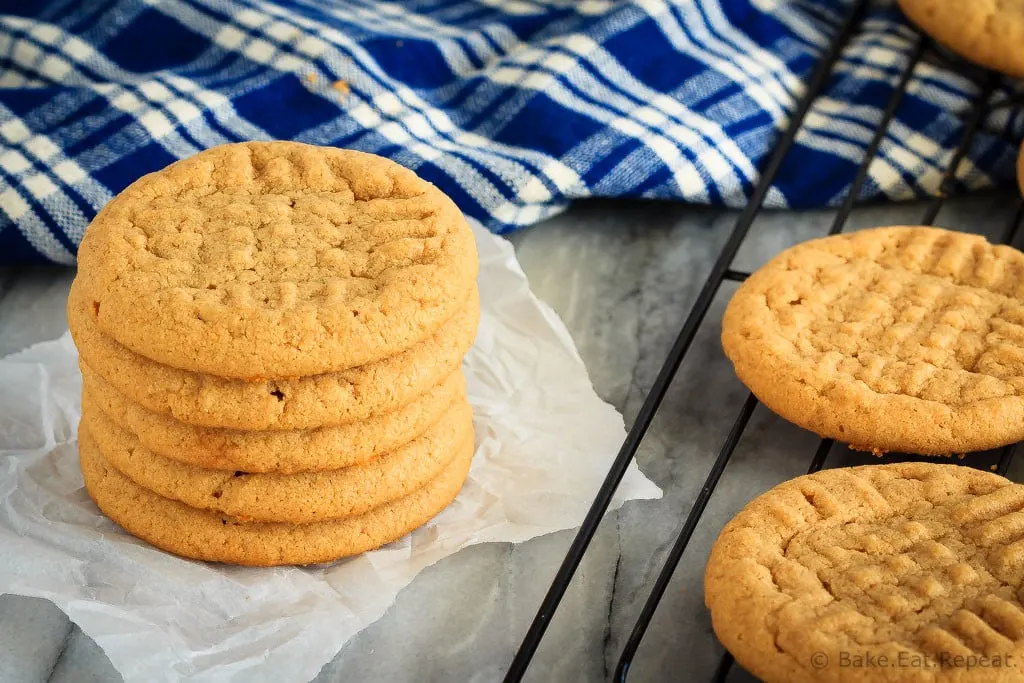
point(983, 105)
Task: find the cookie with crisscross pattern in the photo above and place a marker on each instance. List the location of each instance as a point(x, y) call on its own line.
point(899, 572)
point(261, 260)
point(903, 338)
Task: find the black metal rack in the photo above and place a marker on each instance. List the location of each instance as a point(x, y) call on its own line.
point(984, 105)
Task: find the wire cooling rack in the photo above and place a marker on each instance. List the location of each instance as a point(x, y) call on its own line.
point(988, 100)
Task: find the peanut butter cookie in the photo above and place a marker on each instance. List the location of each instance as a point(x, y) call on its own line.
point(296, 498)
point(905, 339)
point(304, 403)
point(264, 260)
point(204, 535)
point(987, 32)
point(901, 572)
point(281, 451)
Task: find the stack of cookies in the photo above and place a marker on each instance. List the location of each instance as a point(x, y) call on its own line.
point(271, 338)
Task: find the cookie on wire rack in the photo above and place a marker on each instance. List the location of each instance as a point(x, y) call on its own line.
point(905, 339)
point(897, 572)
point(986, 32)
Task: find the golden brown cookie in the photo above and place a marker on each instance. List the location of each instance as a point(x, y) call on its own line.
point(901, 572)
point(296, 498)
point(261, 260)
point(280, 451)
point(988, 32)
point(898, 339)
point(204, 535)
point(304, 403)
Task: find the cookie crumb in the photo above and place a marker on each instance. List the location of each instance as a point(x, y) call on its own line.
point(993, 467)
point(311, 77)
point(874, 450)
point(341, 86)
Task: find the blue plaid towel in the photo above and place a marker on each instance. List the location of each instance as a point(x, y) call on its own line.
point(512, 107)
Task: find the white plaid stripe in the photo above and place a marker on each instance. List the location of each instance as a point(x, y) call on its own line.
point(758, 79)
point(160, 107)
point(797, 22)
point(412, 122)
point(529, 76)
point(419, 124)
point(835, 127)
point(702, 140)
point(37, 160)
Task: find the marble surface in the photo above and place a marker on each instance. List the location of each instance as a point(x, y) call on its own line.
point(623, 276)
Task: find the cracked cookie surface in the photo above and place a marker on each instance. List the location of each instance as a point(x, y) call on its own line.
point(263, 260)
point(987, 32)
point(284, 451)
point(904, 339)
point(336, 398)
point(204, 535)
point(298, 498)
point(914, 562)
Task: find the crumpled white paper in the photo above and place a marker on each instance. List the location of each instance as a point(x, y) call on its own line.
point(544, 443)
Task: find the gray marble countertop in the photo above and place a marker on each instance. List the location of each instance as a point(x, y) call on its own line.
point(623, 276)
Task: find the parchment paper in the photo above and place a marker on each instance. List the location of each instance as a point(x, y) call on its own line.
point(544, 442)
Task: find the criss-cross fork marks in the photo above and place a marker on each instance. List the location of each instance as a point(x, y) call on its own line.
point(918, 312)
point(933, 567)
point(278, 231)
point(316, 254)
